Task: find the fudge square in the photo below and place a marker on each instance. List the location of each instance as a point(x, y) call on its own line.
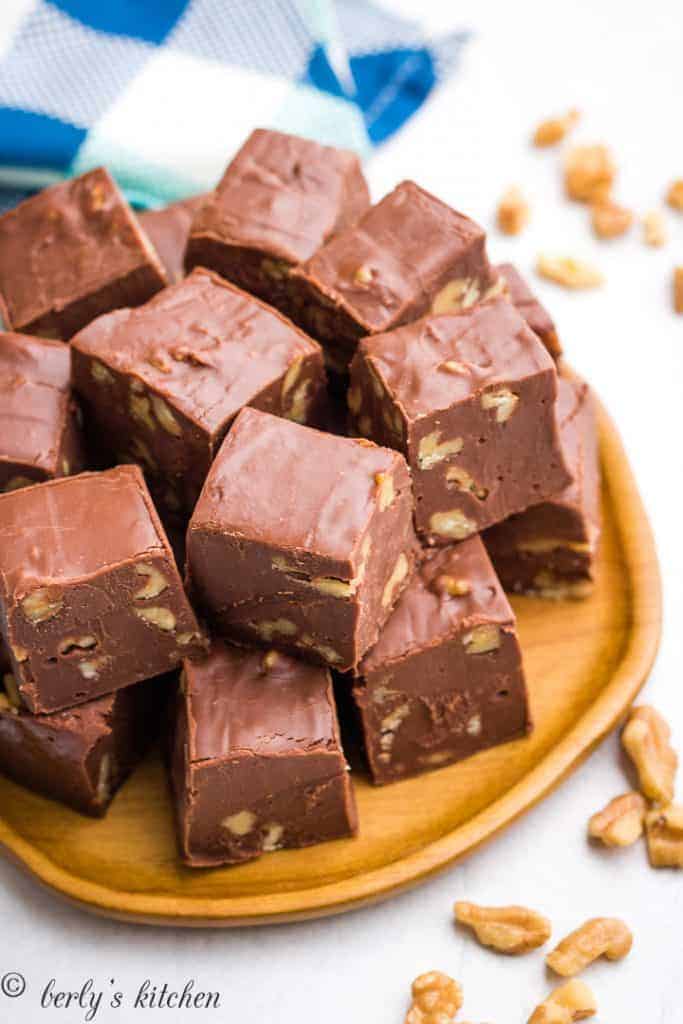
point(72, 252)
point(535, 314)
point(168, 230)
point(469, 398)
point(301, 539)
point(40, 434)
point(90, 597)
point(550, 550)
point(280, 199)
point(257, 763)
point(445, 678)
point(164, 381)
point(83, 755)
point(408, 255)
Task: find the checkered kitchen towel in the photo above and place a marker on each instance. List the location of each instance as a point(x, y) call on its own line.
point(164, 91)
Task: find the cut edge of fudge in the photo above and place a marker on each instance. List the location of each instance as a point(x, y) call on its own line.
point(530, 307)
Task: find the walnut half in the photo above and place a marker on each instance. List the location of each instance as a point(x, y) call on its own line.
point(436, 999)
point(664, 830)
point(646, 740)
point(566, 1004)
point(511, 930)
point(620, 823)
point(601, 936)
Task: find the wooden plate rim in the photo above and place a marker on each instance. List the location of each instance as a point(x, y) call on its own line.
point(640, 558)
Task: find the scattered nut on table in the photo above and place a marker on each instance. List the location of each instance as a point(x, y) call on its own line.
point(621, 822)
point(589, 172)
point(601, 936)
point(570, 1002)
point(609, 219)
point(554, 129)
point(654, 229)
point(569, 272)
point(646, 740)
point(510, 930)
point(436, 999)
point(664, 831)
point(513, 211)
point(674, 196)
point(678, 289)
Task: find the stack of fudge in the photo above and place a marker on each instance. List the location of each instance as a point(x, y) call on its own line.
point(263, 452)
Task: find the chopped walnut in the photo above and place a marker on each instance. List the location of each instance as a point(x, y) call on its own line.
point(332, 586)
point(664, 831)
point(165, 417)
point(554, 129)
point(568, 1003)
point(452, 586)
point(609, 219)
point(510, 930)
point(241, 823)
point(601, 936)
point(589, 172)
point(674, 196)
point(503, 401)
point(155, 585)
point(431, 450)
point(385, 490)
point(436, 999)
point(678, 289)
point(620, 823)
point(513, 212)
point(482, 639)
point(398, 575)
point(569, 272)
point(453, 523)
point(42, 604)
point(12, 694)
point(461, 293)
point(162, 618)
point(646, 740)
point(654, 228)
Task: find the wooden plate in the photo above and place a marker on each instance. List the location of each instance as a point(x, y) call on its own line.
point(585, 663)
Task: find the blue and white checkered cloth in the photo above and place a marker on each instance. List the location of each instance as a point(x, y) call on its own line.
point(164, 91)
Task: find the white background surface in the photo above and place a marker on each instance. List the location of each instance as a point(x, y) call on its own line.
point(620, 63)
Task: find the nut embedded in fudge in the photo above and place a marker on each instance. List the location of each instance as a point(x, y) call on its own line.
point(40, 433)
point(550, 549)
point(70, 253)
point(90, 596)
point(257, 763)
point(535, 314)
point(280, 199)
point(164, 381)
point(408, 255)
point(83, 755)
point(301, 540)
point(445, 678)
point(469, 398)
point(168, 229)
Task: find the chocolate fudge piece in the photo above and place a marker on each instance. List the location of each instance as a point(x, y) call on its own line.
point(408, 255)
point(300, 539)
point(280, 199)
point(72, 252)
point(40, 434)
point(445, 678)
point(550, 550)
point(168, 230)
point(163, 382)
point(90, 597)
point(469, 398)
point(81, 756)
point(257, 763)
point(536, 315)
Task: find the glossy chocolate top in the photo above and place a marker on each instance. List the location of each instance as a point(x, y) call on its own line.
point(257, 702)
point(426, 612)
point(168, 230)
point(204, 343)
point(66, 242)
point(395, 256)
point(68, 529)
point(34, 395)
point(440, 360)
point(284, 195)
point(522, 297)
point(293, 487)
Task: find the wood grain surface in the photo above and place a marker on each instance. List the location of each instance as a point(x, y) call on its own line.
point(585, 662)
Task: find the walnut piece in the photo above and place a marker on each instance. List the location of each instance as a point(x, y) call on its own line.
point(140, 408)
point(664, 831)
point(71, 644)
point(654, 228)
point(503, 401)
point(42, 604)
point(100, 374)
point(620, 823)
point(569, 272)
point(105, 779)
point(570, 1002)
point(398, 575)
point(155, 585)
point(609, 219)
point(674, 196)
point(452, 586)
point(458, 294)
point(298, 408)
point(332, 586)
point(601, 936)
point(271, 627)
point(239, 824)
point(513, 212)
point(510, 930)
point(431, 450)
point(11, 694)
point(589, 173)
point(436, 999)
point(165, 417)
point(453, 523)
point(554, 129)
point(272, 837)
point(646, 740)
point(678, 289)
point(385, 490)
point(482, 639)
point(162, 618)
